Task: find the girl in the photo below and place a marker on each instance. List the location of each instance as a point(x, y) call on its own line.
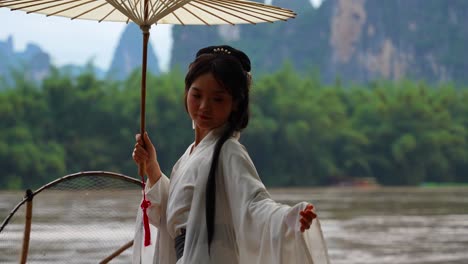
point(214, 208)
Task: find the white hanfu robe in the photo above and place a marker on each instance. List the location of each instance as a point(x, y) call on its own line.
point(249, 226)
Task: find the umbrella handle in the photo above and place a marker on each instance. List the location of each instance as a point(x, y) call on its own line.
point(141, 169)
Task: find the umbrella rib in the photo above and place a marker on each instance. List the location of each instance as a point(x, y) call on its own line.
point(239, 17)
point(227, 21)
point(8, 1)
point(177, 17)
point(108, 14)
point(137, 11)
point(264, 10)
point(39, 4)
point(90, 10)
point(242, 11)
point(259, 5)
point(164, 6)
point(63, 3)
point(47, 7)
point(153, 7)
point(66, 9)
point(124, 9)
point(14, 2)
point(159, 6)
point(127, 9)
point(195, 15)
point(177, 4)
point(141, 10)
point(232, 9)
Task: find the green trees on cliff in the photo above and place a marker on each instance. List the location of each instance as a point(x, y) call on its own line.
point(301, 132)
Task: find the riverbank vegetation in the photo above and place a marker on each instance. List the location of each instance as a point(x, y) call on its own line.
point(302, 132)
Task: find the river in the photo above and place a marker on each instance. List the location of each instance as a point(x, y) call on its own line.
point(373, 225)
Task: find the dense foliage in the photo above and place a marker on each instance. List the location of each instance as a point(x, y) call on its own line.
point(302, 132)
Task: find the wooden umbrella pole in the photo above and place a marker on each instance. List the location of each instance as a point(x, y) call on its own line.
point(145, 28)
point(27, 226)
point(141, 169)
point(146, 34)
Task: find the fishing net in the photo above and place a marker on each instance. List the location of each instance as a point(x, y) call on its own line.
point(79, 218)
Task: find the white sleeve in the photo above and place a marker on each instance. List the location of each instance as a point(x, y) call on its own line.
point(266, 231)
point(157, 195)
point(162, 248)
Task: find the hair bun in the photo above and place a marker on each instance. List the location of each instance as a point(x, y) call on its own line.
point(228, 50)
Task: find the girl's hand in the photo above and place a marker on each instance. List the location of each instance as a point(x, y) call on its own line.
point(145, 152)
point(307, 216)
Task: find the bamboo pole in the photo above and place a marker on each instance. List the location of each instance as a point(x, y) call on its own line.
point(117, 252)
point(27, 226)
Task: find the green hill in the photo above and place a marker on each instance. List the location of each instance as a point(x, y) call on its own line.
point(349, 40)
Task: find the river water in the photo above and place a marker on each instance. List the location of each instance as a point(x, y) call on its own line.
point(374, 225)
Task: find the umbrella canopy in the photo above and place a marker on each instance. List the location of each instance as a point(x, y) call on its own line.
point(182, 12)
point(148, 12)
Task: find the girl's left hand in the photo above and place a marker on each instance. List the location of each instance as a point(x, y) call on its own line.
point(307, 216)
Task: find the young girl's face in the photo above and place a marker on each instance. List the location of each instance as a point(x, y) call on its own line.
point(208, 103)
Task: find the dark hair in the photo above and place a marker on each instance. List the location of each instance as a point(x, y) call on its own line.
point(231, 69)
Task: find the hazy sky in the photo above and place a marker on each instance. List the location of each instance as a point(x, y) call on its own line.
point(77, 41)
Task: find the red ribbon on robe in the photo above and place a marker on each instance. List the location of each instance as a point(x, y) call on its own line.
point(144, 205)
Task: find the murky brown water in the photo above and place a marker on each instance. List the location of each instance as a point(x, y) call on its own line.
point(382, 225)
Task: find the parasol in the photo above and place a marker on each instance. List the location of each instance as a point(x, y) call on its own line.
point(148, 12)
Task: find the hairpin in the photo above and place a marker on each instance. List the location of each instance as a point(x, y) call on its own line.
point(221, 50)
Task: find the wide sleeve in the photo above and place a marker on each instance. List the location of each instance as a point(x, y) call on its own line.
point(266, 231)
point(157, 195)
point(161, 249)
